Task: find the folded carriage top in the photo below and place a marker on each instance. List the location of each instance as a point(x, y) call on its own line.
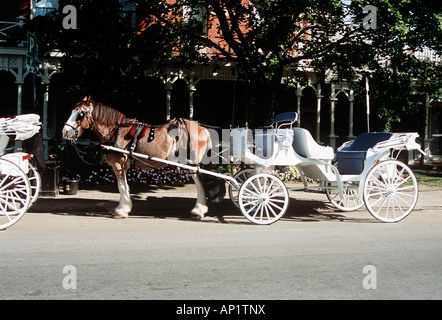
point(23, 126)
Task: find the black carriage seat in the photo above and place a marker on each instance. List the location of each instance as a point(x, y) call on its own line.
point(351, 158)
point(305, 146)
point(286, 118)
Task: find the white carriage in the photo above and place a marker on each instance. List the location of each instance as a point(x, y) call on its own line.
point(363, 171)
point(19, 180)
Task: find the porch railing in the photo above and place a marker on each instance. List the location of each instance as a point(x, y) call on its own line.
point(5, 26)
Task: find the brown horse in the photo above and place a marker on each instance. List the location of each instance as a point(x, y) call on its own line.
point(165, 141)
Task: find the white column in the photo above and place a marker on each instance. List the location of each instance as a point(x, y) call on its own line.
point(192, 90)
point(19, 98)
point(427, 139)
point(193, 81)
point(18, 143)
point(168, 99)
point(45, 122)
point(333, 137)
point(351, 99)
point(298, 104)
point(318, 113)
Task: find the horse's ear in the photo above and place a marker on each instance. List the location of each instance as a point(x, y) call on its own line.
point(87, 100)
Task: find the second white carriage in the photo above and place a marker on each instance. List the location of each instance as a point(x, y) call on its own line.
point(19, 180)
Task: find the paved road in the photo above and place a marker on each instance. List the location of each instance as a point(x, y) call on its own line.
point(67, 248)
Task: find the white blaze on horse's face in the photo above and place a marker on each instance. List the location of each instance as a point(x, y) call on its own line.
point(71, 125)
point(72, 128)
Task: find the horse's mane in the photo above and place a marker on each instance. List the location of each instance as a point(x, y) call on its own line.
point(106, 114)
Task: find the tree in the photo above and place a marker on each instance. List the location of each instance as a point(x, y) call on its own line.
point(105, 55)
point(270, 41)
point(398, 77)
point(273, 39)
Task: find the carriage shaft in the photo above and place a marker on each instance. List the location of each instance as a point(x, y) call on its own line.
point(173, 163)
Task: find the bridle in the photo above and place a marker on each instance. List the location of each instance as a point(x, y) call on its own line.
point(83, 113)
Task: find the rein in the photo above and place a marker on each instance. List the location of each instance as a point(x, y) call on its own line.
point(74, 144)
point(87, 113)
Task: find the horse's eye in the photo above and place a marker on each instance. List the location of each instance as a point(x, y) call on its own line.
point(79, 116)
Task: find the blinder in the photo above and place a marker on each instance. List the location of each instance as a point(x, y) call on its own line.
point(82, 113)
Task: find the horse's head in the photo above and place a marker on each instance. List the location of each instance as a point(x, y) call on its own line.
point(79, 120)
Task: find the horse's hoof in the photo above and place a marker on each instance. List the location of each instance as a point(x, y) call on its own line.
point(121, 212)
point(199, 211)
point(119, 216)
point(195, 217)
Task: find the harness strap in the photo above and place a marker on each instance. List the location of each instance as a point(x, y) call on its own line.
point(151, 134)
point(138, 128)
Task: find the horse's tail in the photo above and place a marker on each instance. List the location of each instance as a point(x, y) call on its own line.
point(214, 188)
point(209, 144)
point(204, 141)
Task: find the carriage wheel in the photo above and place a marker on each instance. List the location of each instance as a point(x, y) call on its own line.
point(263, 198)
point(35, 183)
point(240, 177)
point(350, 201)
point(390, 191)
point(15, 193)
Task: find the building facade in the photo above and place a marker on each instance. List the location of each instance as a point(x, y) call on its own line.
point(210, 93)
point(23, 89)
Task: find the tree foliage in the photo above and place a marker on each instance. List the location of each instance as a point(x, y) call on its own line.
point(269, 40)
point(272, 39)
point(398, 77)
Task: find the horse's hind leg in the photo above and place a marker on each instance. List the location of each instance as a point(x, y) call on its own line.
point(125, 205)
point(200, 208)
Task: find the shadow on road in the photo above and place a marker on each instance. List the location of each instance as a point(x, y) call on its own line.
point(153, 206)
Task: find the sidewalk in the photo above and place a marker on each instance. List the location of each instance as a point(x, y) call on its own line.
point(429, 198)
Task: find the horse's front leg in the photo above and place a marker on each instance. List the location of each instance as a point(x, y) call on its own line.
point(125, 205)
point(200, 208)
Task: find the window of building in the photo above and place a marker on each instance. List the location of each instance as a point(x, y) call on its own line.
point(43, 7)
point(194, 16)
point(129, 9)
